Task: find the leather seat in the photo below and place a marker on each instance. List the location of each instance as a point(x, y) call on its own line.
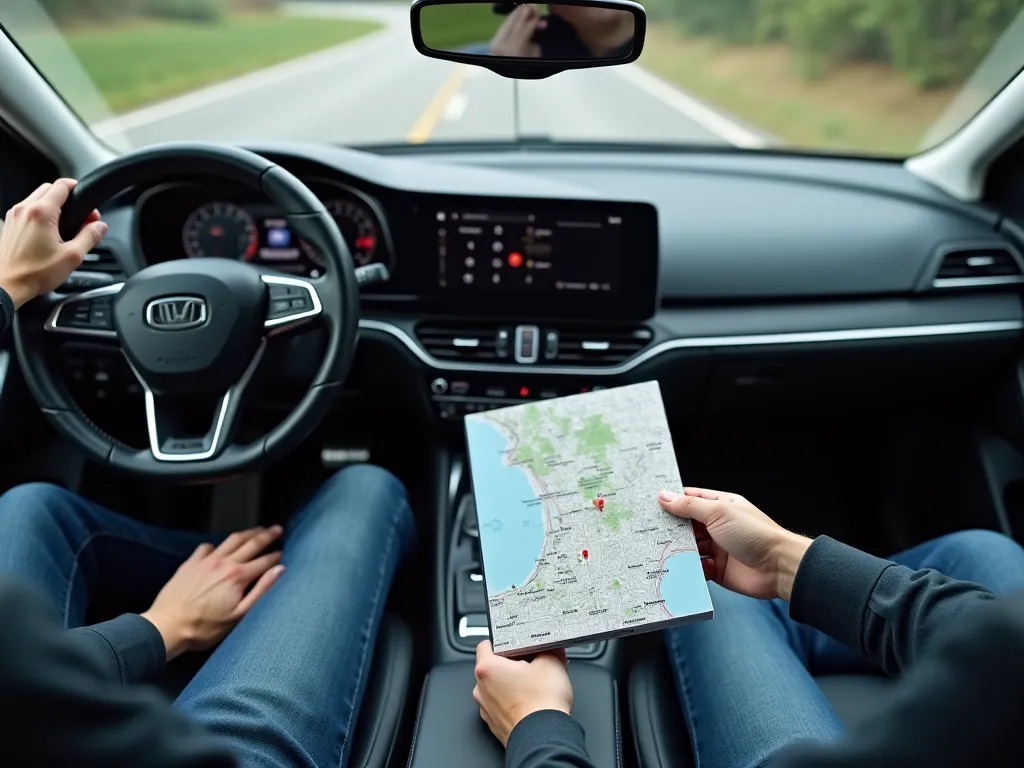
point(384, 703)
point(659, 729)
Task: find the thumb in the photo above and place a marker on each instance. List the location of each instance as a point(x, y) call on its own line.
point(691, 507)
point(88, 238)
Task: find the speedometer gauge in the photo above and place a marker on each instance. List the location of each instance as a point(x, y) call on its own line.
point(222, 230)
point(357, 226)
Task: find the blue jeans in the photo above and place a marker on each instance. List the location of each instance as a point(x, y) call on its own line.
point(285, 685)
point(746, 679)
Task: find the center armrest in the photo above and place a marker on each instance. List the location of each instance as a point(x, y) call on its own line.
point(450, 734)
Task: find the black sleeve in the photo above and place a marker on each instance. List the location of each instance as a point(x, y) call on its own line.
point(6, 311)
point(959, 705)
point(61, 706)
point(889, 613)
point(547, 739)
point(126, 650)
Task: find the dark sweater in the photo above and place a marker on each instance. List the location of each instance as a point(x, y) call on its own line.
point(957, 648)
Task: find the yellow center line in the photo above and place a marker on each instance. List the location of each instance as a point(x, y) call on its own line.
point(431, 116)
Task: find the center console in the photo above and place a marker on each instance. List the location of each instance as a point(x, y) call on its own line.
point(449, 732)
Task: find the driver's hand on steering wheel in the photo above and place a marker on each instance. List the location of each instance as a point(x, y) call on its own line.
point(33, 258)
point(210, 592)
point(515, 36)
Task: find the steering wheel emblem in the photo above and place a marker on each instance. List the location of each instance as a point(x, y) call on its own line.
point(176, 313)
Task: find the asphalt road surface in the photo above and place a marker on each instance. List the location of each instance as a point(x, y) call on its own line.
point(378, 89)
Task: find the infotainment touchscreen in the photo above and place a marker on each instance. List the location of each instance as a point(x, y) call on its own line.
point(541, 251)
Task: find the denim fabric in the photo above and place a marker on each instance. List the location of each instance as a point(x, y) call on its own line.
point(746, 679)
point(285, 686)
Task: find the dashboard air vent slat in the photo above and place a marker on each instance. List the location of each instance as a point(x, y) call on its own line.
point(972, 267)
point(601, 347)
point(470, 342)
point(101, 260)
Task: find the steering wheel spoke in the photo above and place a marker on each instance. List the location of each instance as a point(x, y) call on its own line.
point(89, 314)
point(291, 302)
point(168, 441)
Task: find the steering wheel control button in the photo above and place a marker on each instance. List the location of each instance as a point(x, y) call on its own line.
point(101, 315)
point(291, 300)
point(439, 386)
point(551, 345)
point(527, 347)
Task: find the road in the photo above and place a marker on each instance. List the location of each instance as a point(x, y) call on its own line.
point(378, 89)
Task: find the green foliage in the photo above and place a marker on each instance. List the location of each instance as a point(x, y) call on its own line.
point(934, 42)
point(186, 10)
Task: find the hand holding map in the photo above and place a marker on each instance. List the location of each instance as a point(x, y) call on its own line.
point(575, 545)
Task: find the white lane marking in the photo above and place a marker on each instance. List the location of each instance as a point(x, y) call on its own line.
point(456, 107)
point(700, 113)
point(252, 81)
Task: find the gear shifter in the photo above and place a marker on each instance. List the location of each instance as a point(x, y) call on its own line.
point(372, 274)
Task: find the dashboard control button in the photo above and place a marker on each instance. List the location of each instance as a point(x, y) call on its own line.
point(495, 392)
point(460, 387)
point(280, 306)
point(503, 342)
point(548, 394)
point(551, 345)
point(527, 344)
point(439, 386)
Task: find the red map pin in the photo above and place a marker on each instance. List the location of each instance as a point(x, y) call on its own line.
point(599, 503)
point(585, 553)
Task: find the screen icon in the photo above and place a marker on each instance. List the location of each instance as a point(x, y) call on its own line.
point(279, 237)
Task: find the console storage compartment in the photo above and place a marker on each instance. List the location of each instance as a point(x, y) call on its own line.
point(450, 734)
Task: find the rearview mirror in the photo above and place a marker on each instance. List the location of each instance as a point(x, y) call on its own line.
point(528, 40)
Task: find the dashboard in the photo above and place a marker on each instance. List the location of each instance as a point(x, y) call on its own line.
point(740, 278)
point(473, 254)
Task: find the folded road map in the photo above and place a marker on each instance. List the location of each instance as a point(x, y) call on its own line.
point(575, 545)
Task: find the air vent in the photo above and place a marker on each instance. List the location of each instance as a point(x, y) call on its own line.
point(978, 266)
point(600, 347)
point(469, 342)
point(101, 260)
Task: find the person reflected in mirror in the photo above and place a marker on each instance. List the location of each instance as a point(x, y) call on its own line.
point(565, 33)
point(946, 618)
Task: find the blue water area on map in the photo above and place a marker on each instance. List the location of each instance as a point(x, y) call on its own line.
point(511, 532)
point(683, 588)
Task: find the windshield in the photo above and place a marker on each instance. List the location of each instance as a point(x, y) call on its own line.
point(880, 77)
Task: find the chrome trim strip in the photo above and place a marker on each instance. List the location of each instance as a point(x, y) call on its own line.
point(218, 429)
point(972, 282)
point(767, 339)
point(51, 322)
point(467, 631)
point(517, 345)
point(294, 283)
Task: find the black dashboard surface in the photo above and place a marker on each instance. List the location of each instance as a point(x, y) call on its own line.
point(749, 244)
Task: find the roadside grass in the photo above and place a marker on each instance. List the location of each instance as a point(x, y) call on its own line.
point(862, 108)
point(139, 62)
point(453, 27)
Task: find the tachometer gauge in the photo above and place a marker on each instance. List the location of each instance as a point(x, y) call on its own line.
point(357, 226)
point(222, 230)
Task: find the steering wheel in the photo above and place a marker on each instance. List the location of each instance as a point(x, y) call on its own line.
point(196, 327)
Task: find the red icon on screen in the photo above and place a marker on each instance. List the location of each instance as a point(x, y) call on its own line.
point(524, 391)
point(599, 503)
point(515, 259)
point(586, 554)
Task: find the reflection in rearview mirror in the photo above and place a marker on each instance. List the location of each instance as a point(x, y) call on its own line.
point(555, 32)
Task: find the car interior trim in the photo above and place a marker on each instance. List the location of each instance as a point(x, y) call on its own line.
point(465, 630)
point(218, 429)
point(51, 321)
point(753, 340)
point(976, 282)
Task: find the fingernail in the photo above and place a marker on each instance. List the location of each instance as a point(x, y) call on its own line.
point(667, 496)
point(102, 228)
point(278, 570)
point(276, 529)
